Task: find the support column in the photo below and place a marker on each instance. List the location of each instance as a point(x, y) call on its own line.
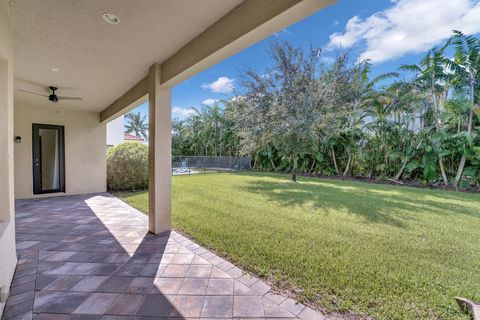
point(160, 154)
point(8, 256)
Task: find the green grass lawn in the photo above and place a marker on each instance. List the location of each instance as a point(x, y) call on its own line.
point(384, 251)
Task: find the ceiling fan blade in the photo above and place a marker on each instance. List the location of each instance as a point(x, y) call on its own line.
point(38, 94)
point(70, 98)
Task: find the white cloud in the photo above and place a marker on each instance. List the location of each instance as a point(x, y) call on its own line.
point(222, 85)
point(408, 26)
point(210, 102)
point(336, 23)
point(283, 32)
point(181, 112)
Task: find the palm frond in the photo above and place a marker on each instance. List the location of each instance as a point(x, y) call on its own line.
point(410, 68)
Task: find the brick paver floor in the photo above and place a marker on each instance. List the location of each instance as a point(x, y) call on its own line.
point(91, 257)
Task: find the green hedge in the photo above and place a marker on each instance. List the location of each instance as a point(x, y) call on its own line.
point(127, 166)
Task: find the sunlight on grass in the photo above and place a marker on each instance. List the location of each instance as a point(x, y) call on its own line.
point(386, 251)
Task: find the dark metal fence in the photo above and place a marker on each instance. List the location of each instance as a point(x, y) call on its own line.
point(195, 165)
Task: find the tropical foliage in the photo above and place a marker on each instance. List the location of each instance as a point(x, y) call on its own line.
point(210, 131)
point(419, 124)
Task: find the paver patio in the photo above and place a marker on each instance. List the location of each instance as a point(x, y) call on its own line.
point(91, 257)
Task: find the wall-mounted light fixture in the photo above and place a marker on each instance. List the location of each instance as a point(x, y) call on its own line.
point(18, 139)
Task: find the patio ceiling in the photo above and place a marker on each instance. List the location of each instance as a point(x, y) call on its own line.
point(101, 62)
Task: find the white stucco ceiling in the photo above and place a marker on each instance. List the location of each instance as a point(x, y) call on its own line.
point(100, 61)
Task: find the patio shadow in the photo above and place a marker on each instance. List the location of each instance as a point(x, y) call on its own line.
point(83, 257)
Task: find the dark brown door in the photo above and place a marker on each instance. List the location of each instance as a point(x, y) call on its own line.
point(48, 158)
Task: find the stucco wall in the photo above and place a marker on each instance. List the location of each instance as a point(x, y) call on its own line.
point(8, 258)
point(85, 149)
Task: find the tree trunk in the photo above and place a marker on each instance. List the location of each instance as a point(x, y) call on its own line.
point(437, 127)
point(385, 161)
point(312, 167)
point(400, 172)
point(294, 166)
point(461, 165)
point(352, 166)
point(463, 160)
point(459, 174)
point(273, 165)
point(347, 168)
point(335, 161)
point(442, 170)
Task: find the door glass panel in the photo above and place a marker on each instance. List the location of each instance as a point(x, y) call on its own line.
point(49, 159)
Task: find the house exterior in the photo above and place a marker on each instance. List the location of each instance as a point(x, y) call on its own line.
point(113, 55)
point(115, 131)
point(131, 137)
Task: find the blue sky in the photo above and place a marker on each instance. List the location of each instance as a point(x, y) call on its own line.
point(389, 32)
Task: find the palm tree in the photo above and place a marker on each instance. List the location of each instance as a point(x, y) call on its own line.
point(137, 124)
point(466, 68)
point(432, 78)
point(361, 93)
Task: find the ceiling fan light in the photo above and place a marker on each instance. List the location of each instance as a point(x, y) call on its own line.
point(110, 18)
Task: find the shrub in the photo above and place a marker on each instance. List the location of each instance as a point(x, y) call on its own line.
point(127, 166)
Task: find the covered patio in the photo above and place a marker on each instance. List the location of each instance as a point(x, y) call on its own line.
point(91, 257)
point(86, 254)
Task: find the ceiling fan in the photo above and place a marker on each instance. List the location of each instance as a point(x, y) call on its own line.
point(52, 97)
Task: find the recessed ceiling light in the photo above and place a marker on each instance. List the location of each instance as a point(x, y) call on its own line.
point(110, 18)
point(57, 70)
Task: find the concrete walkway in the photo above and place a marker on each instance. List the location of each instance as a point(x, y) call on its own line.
point(91, 257)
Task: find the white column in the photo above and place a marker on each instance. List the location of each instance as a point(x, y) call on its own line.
point(160, 154)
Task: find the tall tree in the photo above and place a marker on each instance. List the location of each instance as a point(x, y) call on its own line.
point(466, 69)
point(280, 105)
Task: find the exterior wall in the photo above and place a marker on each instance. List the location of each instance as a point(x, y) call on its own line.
point(85, 149)
point(8, 258)
point(115, 131)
